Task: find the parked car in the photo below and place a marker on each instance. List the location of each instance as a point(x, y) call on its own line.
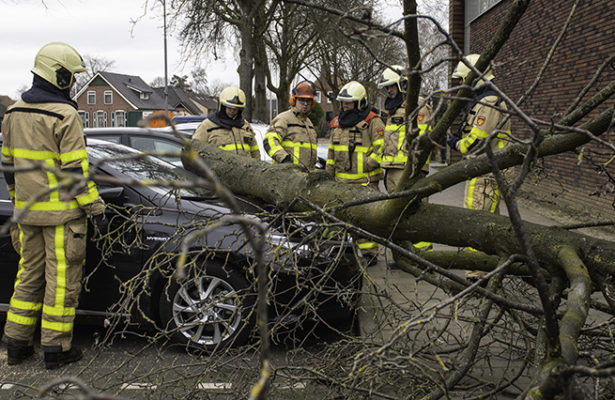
point(156, 140)
point(129, 275)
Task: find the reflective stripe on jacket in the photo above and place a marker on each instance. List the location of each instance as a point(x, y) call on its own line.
point(355, 153)
point(292, 134)
point(395, 152)
point(241, 141)
point(47, 138)
point(480, 122)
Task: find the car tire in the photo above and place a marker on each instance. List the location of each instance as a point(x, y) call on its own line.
point(210, 310)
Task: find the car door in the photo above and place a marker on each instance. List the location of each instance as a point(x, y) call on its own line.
point(155, 145)
point(10, 258)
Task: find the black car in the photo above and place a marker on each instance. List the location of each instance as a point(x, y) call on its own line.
point(131, 274)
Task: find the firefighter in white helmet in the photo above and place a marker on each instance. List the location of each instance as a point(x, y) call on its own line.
point(44, 128)
point(482, 117)
point(226, 127)
point(355, 149)
point(398, 134)
point(291, 137)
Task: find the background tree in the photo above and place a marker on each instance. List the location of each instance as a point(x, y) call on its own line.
point(93, 65)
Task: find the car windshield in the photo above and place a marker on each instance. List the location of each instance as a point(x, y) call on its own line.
point(146, 168)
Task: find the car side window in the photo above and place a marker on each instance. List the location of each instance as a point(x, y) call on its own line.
point(155, 145)
point(113, 139)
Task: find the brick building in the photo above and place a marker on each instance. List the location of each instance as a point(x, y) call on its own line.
point(565, 179)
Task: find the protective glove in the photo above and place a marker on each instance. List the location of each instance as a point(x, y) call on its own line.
point(100, 223)
point(452, 141)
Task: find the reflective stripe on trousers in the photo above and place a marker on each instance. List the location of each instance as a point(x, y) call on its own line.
point(47, 287)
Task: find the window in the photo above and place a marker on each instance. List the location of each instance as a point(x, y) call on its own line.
point(329, 96)
point(118, 118)
point(154, 145)
point(91, 97)
point(108, 97)
point(100, 119)
point(144, 96)
point(317, 97)
point(85, 118)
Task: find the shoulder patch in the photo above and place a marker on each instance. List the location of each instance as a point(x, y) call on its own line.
point(380, 132)
point(480, 120)
point(420, 117)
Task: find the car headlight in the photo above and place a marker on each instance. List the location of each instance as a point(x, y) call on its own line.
point(281, 242)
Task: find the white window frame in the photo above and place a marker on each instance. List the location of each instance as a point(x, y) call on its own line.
point(318, 96)
point(85, 118)
point(95, 117)
point(329, 95)
point(110, 94)
point(92, 93)
point(114, 115)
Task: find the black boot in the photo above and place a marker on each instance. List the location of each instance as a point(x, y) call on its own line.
point(56, 359)
point(16, 354)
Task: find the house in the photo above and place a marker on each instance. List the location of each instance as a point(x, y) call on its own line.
point(112, 100)
point(565, 179)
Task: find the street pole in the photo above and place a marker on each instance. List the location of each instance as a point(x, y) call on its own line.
point(166, 87)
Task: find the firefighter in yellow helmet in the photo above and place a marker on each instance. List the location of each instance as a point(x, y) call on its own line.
point(43, 132)
point(226, 127)
point(355, 149)
point(291, 137)
point(397, 137)
point(482, 116)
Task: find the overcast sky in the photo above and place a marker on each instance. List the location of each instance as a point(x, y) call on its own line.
point(98, 28)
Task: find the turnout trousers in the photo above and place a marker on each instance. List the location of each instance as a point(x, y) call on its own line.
point(47, 284)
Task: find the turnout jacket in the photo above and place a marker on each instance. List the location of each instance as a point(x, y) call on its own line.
point(396, 140)
point(291, 134)
point(239, 140)
point(47, 139)
point(480, 120)
point(355, 152)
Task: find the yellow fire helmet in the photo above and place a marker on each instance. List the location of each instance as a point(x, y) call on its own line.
point(353, 91)
point(233, 97)
point(462, 70)
point(57, 63)
point(392, 76)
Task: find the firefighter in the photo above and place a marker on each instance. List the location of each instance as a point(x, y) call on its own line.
point(355, 150)
point(43, 140)
point(291, 137)
point(396, 142)
point(482, 116)
point(226, 127)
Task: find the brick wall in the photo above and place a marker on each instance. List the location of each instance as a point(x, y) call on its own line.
point(118, 102)
point(588, 42)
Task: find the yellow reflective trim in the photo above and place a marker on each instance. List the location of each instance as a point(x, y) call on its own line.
point(34, 154)
point(422, 245)
point(367, 245)
point(53, 182)
point(58, 311)
point(330, 161)
point(57, 326)
point(307, 145)
point(21, 320)
point(495, 200)
point(7, 151)
point(73, 155)
point(25, 305)
point(232, 146)
point(351, 176)
point(470, 198)
point(48, 205)
point(20, 266)
point(274, 146)
point(60, 288)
